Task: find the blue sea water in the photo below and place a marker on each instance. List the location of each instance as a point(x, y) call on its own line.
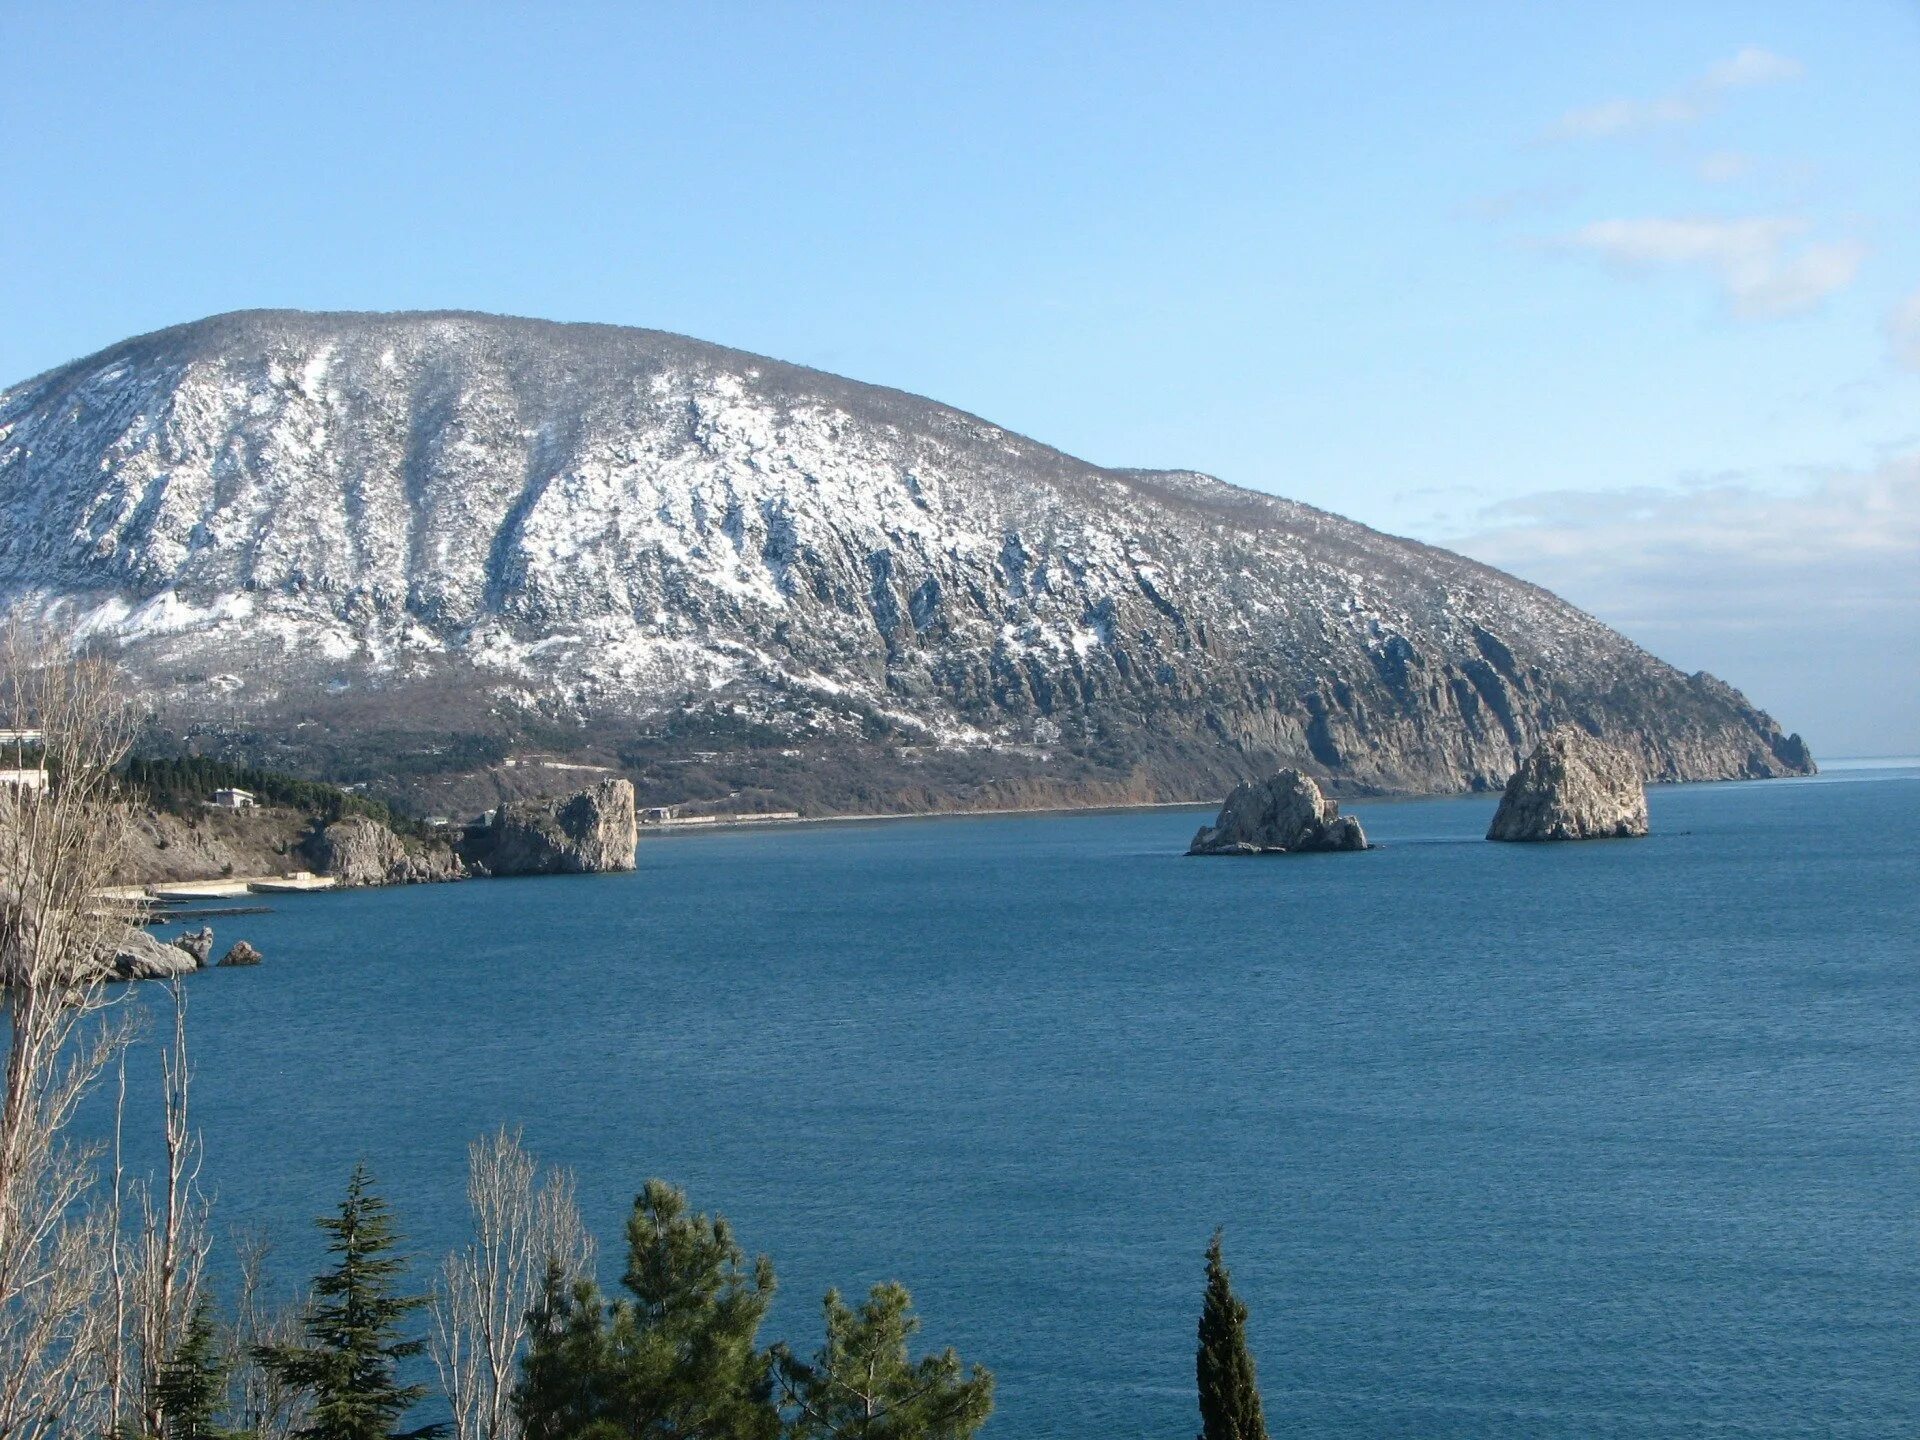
point(1616, 1139)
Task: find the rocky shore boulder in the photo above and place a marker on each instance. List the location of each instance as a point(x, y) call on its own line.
point(241, 954)
point(587, 832)
point(358, 851)
point(1283, 815)
point(198, 944)
point(1572, 787)
point(138, 956)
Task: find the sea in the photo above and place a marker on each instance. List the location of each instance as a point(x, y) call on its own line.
point(1580, 1140)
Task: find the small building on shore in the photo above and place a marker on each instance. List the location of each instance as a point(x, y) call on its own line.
point(232, 799)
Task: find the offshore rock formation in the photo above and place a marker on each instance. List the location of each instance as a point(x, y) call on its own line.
point(1572, 787)
point(588, 832)
point(1285, 814)
point(432, 536)
point(241, 954)
point(359, 851)
point(198, 944)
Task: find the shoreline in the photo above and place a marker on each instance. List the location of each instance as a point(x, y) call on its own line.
point(157, 896)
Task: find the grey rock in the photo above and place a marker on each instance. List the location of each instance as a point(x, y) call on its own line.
point(198, 944)
point(359, 851)
point(587, 832)
point(241, 954)
point(1572, 787)
point(138, 956)
point(394, 527)
point(1285, 814)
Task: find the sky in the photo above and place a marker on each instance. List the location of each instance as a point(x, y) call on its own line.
point(1624, 298)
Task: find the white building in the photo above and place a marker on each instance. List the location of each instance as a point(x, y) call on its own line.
point(233, 800)
point(24, 779)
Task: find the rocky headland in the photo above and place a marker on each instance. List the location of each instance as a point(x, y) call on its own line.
point(1286, 814)
point(359, 851)
point(1573, 786)
point(588, 832)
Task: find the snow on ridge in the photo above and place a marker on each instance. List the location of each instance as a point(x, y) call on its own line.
point(615, 520)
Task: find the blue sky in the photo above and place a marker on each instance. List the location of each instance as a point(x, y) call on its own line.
point(1624, 298)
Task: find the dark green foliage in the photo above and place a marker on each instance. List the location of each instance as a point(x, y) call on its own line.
point(192, 1389)
point(353, 1329)
point(1229, 1389)
point(564, 1375)
point(862, 1385)
point(680, 1359)
point(183, 782)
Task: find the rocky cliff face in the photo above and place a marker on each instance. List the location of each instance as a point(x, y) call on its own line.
point(591, 831)
point(432, 537)
point(358, 851)
point(1572, 787)
point(1286, 814)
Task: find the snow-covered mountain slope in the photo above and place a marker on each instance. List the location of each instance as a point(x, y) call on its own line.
point(392, 534)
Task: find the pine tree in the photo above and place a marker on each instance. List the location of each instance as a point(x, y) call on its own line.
point(1229, 1390)
point(192, 1389)
point(354, 1345)
point(679, 1360)
point(863, 1386)
point(562, 1394)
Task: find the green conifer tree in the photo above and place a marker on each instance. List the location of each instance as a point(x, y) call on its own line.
point(192, 1388)
point(562, 1394)
point(1229, 1389)
point(862, 1385)
point(349, 1365)
point(678, 1360)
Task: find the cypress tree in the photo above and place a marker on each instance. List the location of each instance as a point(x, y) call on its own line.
point(1229, 1390)
point(349, 1365)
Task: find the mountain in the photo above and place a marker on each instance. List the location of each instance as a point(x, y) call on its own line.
point(415, 549)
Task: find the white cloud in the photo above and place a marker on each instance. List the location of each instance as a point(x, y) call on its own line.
point(1753, 66)
point(1807, 596)
point(1763, 264)
point(1903, 331)
point(1748, 67)
point(1622, 117)
point(1723, 166)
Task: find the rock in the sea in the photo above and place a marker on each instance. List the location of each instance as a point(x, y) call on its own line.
point(1572, 787)
point(1286, 814)
point(138, 956)
point(198, 944)
point(241, 954)
point(360, 851)
point(587, 832)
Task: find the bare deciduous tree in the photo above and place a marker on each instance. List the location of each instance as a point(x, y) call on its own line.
point(61, 829)
point(172, 1253)
point(262, 1405)
point(521, 1225)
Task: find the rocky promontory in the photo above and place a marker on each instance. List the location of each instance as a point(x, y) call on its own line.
point(1573, 786)
point(1283, 815)
point(359, 851)
point(590, 831)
